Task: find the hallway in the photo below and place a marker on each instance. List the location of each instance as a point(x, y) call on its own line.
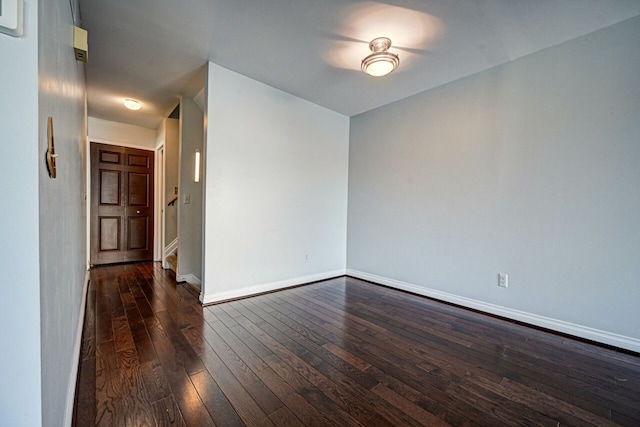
point(338, 352)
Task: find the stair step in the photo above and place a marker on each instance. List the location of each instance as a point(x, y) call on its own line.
point(173, 262)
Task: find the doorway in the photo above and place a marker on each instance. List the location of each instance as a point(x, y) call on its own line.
point(122, 217)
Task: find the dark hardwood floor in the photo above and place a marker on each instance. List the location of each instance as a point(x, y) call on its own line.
point(340, 352)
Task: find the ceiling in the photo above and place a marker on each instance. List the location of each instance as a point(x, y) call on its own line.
point(155, 50)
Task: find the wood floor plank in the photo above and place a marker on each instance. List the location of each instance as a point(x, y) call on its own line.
point(136, 402)
point(89, 327)
point(449, 415)
point(106, 360)
point(141, 301)
point(339, 352)
point(184, 393)
point(115, 304)
point(141, 339)
point(167, 414)
point(185, 355)
point(338, 375)
point(155, 381)
point(109, 408)
point(323, 353)
point(285, 418)
point(414, 411)
point(520, 403)
point(122, 333)
point(324, 395)
point(248, 410)
point(303, 375)
point(214, 399)
point(237, 356)
point(104, 329)
point(195, 336)
point(447, 407)
point(350, 358)
point(264, 397)
point(154, 328)
point(300, 405)
point(85, 404)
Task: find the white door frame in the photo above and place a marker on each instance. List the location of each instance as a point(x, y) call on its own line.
point(160, 205)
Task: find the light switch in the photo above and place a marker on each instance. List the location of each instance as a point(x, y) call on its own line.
point(11, 17)
point(187, 199)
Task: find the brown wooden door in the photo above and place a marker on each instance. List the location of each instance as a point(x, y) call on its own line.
point(121, 204)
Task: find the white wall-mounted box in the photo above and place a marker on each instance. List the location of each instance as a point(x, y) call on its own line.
point(11, 17)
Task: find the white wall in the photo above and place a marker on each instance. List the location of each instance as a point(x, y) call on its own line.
point(62, 210)
point(171, 169)
point(190, 214)
point(115, 133)
point(276, 174)
point(532, 169)
point(42, 286)
point(20, 159)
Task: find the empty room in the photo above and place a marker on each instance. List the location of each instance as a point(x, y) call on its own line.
point(353, 213)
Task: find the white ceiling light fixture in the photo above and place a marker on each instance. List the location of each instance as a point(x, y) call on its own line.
point(380, 62)
point(132, 104)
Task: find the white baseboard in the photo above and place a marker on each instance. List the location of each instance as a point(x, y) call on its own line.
point(77, 346)
point(189, 278)
point(586, 332)
point(168, 250)
point(268, 287)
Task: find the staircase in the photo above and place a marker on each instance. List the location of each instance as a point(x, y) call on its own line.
point(170, 254)
point(173, 262)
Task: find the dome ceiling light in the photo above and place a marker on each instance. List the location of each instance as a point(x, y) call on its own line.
point(132, 104)
point(380, 62)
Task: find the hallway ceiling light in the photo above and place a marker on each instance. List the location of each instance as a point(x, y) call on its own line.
point(380, 62)
point(132, 104)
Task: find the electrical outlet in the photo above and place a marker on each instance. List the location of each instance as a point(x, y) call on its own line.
point(306, 258)
point(503, 280)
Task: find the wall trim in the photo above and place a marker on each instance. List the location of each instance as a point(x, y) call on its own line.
point(168, 250)
point(120, 144)
point(189, 278)
point(77, 346)
point(269, 287)
point(604, 337)
point(158, 201)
